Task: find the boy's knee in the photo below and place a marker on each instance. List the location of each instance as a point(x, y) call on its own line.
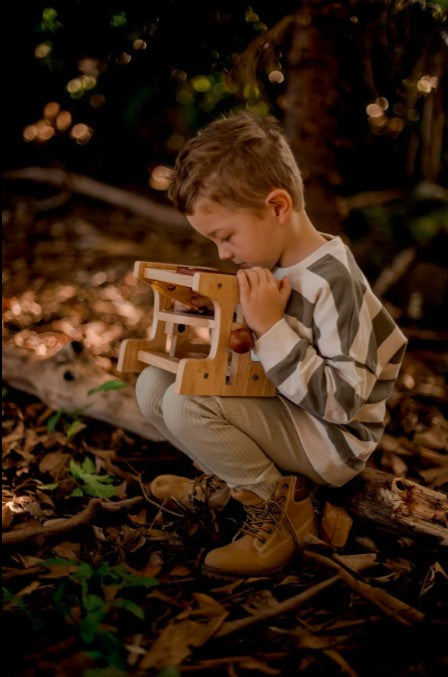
point(179, 412)
point(184, 413)
point(150, 388)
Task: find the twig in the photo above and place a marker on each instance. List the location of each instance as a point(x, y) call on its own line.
point(154, 503)
point(279, 609)
point(389, 605)
point(63, 526)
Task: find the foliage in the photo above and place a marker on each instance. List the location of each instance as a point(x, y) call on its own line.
point(71, 421)
point(90, 483)
point(101, 594)
point(107, 385)
point(109, 85)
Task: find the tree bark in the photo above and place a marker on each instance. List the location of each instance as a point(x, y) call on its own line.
point(397, 504)
point(63, 381)
point(310, 118)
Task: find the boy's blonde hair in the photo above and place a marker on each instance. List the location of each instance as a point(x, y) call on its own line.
point(235, 161)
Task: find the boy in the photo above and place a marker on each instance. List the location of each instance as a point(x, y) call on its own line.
point(323, 338)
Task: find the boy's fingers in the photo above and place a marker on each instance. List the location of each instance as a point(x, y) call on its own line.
point(242, 278)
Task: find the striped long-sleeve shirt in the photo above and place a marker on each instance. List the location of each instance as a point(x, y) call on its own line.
point(334, 357)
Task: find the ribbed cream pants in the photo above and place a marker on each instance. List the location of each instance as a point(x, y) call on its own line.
point(249, 442)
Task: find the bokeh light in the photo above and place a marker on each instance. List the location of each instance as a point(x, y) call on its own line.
point(42, 50)
point(81, 133)
point(63, 121)
point(160, 177)
point(201, 83)
point(276, 77)
point(51, 110)
point(139, 44)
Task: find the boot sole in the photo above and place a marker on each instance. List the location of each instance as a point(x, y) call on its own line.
point(219, 574)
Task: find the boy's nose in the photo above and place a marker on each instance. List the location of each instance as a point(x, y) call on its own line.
point(224, 252)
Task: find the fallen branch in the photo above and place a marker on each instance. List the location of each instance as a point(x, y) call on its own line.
point(278, 610)
point(397, 504)
point(389, 605)
point(64, 380)
point(157, 213)
point(64, 525)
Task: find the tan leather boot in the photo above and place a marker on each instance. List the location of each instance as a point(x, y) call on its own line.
point(270, 538)
point(203, 491)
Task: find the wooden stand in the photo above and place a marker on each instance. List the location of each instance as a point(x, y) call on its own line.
point(221, 372)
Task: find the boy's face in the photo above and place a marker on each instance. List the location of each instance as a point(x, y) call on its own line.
point(240, 235)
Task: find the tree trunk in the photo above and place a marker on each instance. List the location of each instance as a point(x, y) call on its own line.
point(310, 121)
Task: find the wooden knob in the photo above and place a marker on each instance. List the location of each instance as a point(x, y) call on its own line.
point(241, 340)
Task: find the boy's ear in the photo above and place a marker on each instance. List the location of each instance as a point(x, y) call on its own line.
point(280, 201)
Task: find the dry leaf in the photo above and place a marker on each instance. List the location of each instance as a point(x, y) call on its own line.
point(7, 516)
point(335, 526)
point(54, 463)
point(207, 607)
point(174, 643)
point(260, 666)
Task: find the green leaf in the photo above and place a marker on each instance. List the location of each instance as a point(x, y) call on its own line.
point(97, 490)
point(108, 385)
point(88, 466)
point(92, 484)
point(48, 487)
point(77, 492)
point(112, 649)
point(53, 420)
point(85, 572)
point(130, 606)
point(89, 625)
point(76, 470)
point(75, 427)
point(92, 602)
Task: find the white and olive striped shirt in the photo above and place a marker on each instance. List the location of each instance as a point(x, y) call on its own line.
point(334, 357)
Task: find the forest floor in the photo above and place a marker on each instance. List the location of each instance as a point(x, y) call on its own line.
point(118, 595)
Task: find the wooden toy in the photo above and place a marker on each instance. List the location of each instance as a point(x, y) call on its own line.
point(209, 299)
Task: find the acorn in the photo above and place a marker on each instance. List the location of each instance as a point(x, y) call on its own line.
point(241, 340)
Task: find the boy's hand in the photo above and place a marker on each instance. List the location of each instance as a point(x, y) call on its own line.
point(263, 299)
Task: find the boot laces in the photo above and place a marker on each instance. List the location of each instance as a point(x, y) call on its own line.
point(261, 519)
point(204, 486)
point(202, 490)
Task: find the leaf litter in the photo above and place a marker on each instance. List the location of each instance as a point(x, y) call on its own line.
point(99, 587)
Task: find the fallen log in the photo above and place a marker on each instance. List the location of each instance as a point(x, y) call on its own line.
point(397, 504)
point(160, 214)
point(64, 379)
